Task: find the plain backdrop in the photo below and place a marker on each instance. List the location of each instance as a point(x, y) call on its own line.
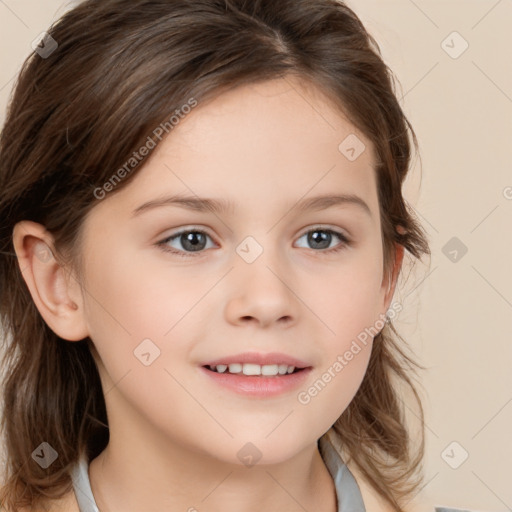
point(454, 70)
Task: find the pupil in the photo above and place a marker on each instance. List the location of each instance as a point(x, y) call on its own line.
point(322, 237)
point(192, 239)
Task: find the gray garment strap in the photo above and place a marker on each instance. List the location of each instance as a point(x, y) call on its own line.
point(445, 509)
point(347, 491)
point(82, 487)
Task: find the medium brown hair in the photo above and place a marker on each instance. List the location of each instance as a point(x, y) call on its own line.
point(121, 68)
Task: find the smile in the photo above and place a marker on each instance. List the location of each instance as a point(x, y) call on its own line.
point(254, 369)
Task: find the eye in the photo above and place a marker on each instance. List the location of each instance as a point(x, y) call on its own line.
point(194, 240)
point(321, 238)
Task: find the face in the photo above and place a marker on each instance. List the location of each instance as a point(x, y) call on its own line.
point(168, 288)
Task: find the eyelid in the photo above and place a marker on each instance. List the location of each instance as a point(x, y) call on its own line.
point(188, 228)
point(327, 227)
point(312, 227)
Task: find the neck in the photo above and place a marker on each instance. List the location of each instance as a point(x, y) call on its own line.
point(140, 479)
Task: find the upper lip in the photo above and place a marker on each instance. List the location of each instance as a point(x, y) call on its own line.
point(259, 358)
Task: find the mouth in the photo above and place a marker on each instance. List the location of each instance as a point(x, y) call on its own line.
point(258, 375)
point(257, 381)
point(251, 369)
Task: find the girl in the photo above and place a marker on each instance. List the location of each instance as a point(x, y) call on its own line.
point(202, 230)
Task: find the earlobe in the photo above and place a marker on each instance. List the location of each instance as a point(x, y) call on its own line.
point(56, 295)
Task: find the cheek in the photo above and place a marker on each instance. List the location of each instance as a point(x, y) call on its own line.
point(347, 299)
point(138, 316)
point(142, 312)
point(328, 394)
point(133, 295)
point(346, 308)
point(346, 354)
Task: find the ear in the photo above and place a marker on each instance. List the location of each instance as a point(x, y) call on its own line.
point(390, 280)
point(55, 292)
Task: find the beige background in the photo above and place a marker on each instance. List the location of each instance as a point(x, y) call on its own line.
point(456, 315)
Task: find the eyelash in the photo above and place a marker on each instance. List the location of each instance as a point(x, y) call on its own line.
point(345, 242)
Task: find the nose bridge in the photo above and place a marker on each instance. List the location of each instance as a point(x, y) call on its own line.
point(260, 286)
point(261, 226)
point(263, 254)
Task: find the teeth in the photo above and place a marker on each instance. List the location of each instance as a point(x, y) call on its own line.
point(283, 368)
point(270, 369)
point(235, 368)
point(254, 369)
point(251, 369)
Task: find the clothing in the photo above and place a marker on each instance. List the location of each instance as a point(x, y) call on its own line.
point(348, 493)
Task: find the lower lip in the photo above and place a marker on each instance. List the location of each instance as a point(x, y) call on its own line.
point(258, 385)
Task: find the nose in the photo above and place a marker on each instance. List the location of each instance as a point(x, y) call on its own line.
point(261, 293)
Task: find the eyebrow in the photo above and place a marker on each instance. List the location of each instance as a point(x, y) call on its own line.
point(223, 206)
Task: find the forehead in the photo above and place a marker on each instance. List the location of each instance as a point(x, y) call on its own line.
point(259, 144)
point(257, 116)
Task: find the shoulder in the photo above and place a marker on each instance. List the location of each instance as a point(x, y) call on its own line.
point(374, 501)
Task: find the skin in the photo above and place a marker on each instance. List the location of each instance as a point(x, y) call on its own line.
point(174, 435)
